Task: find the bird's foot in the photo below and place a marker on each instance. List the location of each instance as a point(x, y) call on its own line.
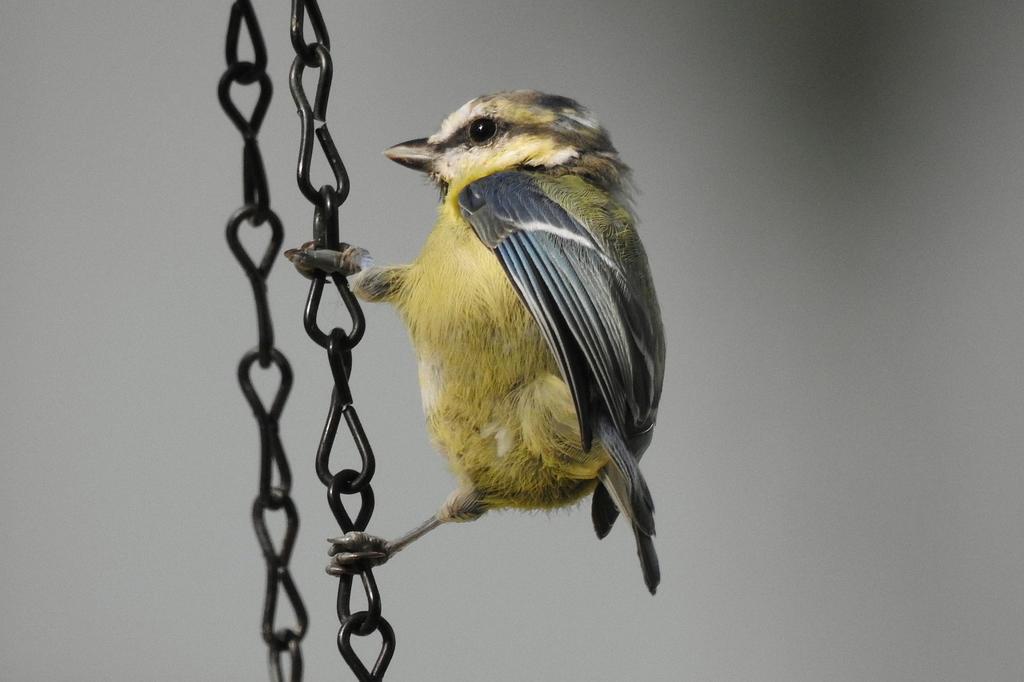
point(346, 261)
point(356, 551)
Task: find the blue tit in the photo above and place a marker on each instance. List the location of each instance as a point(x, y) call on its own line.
point(533, 315)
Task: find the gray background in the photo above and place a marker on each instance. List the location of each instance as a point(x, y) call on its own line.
point(832, 199)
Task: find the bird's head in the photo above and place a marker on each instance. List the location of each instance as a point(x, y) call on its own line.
point(513, 130)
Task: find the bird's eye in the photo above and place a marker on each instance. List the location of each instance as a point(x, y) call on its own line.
point(482, 129)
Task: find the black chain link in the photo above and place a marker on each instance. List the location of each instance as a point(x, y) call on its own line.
point(337, 342)
point(273, 496)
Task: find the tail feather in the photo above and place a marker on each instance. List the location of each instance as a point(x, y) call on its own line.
point(648, 559)
point(622, 479)
point(603, 511)
point(622, 488)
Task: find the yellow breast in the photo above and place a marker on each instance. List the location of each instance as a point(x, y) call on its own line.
point(495, 402)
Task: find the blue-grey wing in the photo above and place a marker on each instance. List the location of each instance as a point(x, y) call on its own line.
point(602, 336)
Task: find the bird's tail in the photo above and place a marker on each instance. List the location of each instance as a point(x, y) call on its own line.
point(603, 511)
point(622, 482)
point(648, 559)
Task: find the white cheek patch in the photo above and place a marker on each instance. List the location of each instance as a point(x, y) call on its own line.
point(459, 161)
point(448, 165)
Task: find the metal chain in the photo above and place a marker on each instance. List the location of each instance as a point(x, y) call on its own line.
point(337, 342)
point(273, 496)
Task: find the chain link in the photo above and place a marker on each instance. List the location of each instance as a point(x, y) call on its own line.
point(273, 496)
point(337, 342)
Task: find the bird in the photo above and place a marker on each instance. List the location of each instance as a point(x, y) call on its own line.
point(533, 315)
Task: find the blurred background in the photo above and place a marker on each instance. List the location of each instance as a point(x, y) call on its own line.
point(832, 201)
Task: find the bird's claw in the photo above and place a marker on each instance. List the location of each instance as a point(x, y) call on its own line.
point(310, 260)
point(356, 551)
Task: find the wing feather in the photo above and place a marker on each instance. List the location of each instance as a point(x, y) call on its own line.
point(603, 339)
point(522, 272)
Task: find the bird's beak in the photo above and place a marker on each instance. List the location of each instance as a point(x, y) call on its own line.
point(416, 154)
